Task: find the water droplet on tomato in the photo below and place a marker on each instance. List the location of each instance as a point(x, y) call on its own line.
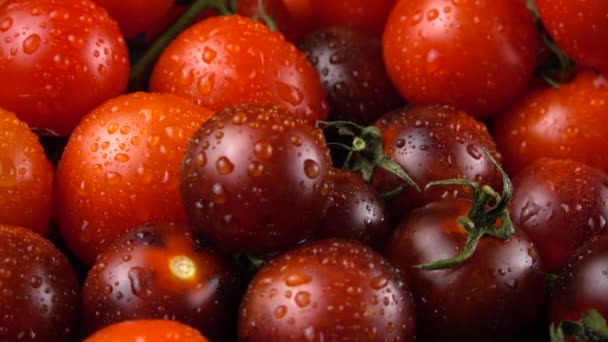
point(255, 169)
point(209, 54)
point(280, 311)
point(311, 168)
point(139, 278)
point(379, 282)
point(107, 289)
point(113, 177)
point(297, 279)
point(101, 69)
point(31, 44)
point(289, 93)
point(224, 166)
point(302, 298)
point(201, 159)
point(432, 14)
point(206, 83)
point(36, 282)
point(6, 24)
point(112, 128)
point(262, 149)
point(219, 195)
point(121, 158)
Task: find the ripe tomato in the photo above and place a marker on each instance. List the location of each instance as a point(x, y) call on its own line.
point(120, 169)
point(40, 298)
point(148, 330)
point(26, 177)
point(136, 16)
point(577, 26)
point(565, 123)
point(62, 57)
point(329, 290)
point(495, 295)
point(475, 55)
point(232, 60)
point(560, 204)
point(246, 173)
point(433, 143)
point(161, 271)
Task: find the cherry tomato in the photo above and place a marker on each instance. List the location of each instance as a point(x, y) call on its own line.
point(582, 285)
point(231, 60)
point(62, 57)
point(476, 55)
point(560, 204)
point(161, 271)
point(577, 26)
point(434, 143)
point(246, 173)
point(566, 123)
point(40, 298)
point(26, 177)
point(495, 295)
point(148, 330)
point(329, 290)
point(136, 16)
point(120, 169)
point(352, 72)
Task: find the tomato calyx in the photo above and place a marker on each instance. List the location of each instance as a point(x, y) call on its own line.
point(592, 327)
point(482, 219)
point(366, 152)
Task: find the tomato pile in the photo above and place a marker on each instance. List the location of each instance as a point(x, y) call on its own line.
point(303, 170)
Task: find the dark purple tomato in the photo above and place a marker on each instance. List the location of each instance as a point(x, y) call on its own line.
point(560, 204)
point(495, 295)
point(163, 271)
point(39, 290)
point(354, 210)
point(255, 178)
point(330, 290)
point(352, 72)
point(434, 143)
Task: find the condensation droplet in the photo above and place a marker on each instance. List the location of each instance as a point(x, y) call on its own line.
point(224, 166)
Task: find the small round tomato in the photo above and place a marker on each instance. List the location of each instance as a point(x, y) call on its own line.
point(565, 123)
point(120, 169)
point(583, 283)
point(494, 295)
point(148, 330)
point(231, 60)
point(352, 72)
point(26, 177)
point(161, 271)
point(433, 143)
point(329, 290)
point(577, 26)
point(62, 57)
point(475, 55)
point(246, 173)
point(560, 204)
point(40, 298)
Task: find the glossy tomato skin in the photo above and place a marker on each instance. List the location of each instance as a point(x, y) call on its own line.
point(248, 170)
point(120, 169)
point(354, 210)
point(149, 330)
point(568, 122)
point(577, 27)
point(582, 285)
point(475, 55)
point(231, 60)
point(328, 289)
point(560, 204)
point(26, 177)
point(352, 72)
point(161, 270)
point(63, 58)
point(136, 16)
point(434, 143)
point(40, 292)
point(495, 295)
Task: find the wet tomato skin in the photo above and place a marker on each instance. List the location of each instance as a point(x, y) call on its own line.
point(328, 289)
point(495, 295)
point(149, 330)
point(54, 49)
point(434, 143)
point(568, 122)
point(161, 270)
point(247, 171)
point(40, 291)
point(120, 169)
point(582, 285)
point(560, 204)
point(231, 60)
point(26, 177)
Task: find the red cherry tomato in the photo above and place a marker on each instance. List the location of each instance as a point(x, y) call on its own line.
point(136, 16)
point(148, 330)
point(26, 177)
point(120, 169)
point(62, 57)
point(232, 60)
point(475, 55)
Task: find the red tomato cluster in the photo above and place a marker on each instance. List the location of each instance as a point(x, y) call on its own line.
point(303, 170)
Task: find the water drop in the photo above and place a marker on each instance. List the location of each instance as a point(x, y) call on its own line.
point(280, 311)
point(296, 279)
point(209, 54)
point(206, 83)
point(219, 195)
point(139, 278)
point(289, 93)
point(6, 24)
point(379, 282)
point(31, 44)
point(262, 149)
point(224, 166)
point(255, 169)
point(311, 168)
point(121, 158)
point(432, 14)
point(302, 298)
